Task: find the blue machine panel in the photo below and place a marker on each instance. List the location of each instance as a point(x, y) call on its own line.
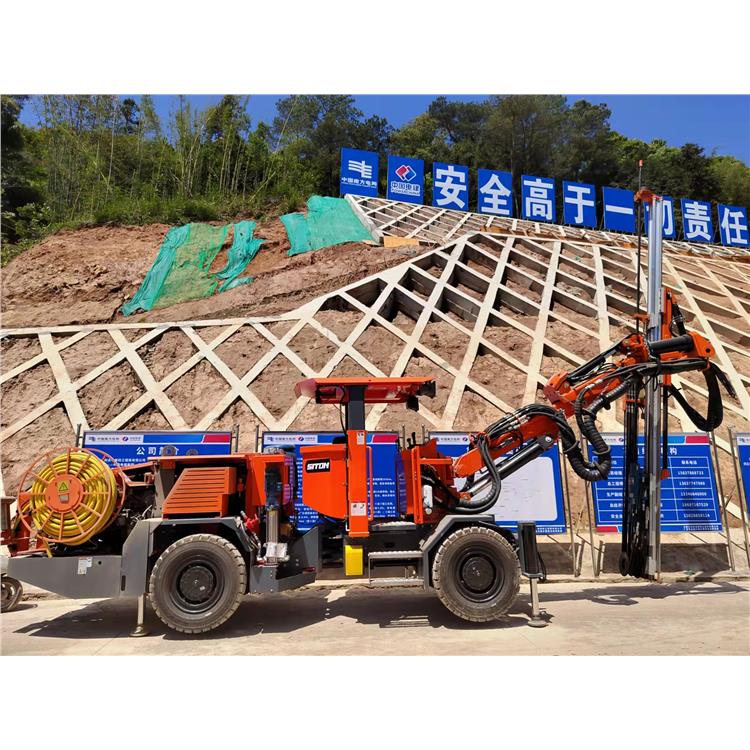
point(534, 493)
point(743, 454)
point(689, 500)
point(384, 454)
point(130, 447)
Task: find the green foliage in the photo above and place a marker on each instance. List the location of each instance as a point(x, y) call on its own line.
point(102, 159)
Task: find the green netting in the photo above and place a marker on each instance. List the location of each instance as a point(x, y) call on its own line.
point(244, 249)
point(329, 221)
point(181, 269)
point(150, 289)
point(189, 277)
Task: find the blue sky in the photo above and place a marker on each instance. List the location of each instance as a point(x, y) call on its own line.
point(718, 123)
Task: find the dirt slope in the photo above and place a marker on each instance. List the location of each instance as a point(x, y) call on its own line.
point(85, 275)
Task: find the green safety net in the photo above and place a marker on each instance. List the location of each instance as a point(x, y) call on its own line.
point(244, 249)
point(329, 221)
point(181, 271)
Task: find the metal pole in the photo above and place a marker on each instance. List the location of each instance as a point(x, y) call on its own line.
point(589, 502)
point(653, 396)
point(723, 502)
point(566, 505)
point(536, 620)
point(140, 628)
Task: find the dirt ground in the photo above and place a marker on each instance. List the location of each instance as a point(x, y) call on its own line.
point(634, 618)
point(85, 275)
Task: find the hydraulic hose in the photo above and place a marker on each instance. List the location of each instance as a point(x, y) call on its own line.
point(481, 505)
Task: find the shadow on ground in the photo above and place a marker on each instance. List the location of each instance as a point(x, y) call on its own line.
point(386, 608)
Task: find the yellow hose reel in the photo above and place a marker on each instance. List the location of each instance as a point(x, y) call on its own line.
point(72, 496)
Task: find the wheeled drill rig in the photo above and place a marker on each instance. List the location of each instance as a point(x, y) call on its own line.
point(197, 533)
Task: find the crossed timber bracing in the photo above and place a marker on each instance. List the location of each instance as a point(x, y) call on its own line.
point(490, 316)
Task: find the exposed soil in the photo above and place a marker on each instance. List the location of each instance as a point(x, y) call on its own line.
point(85, 275)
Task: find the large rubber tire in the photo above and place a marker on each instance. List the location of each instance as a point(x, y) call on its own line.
point(476, 574)
point(12, 591)
point(197, 583)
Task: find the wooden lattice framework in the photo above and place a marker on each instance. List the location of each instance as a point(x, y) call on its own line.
point(565, 297)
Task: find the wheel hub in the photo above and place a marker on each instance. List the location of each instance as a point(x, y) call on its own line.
point(478, 573)
point(197, 583)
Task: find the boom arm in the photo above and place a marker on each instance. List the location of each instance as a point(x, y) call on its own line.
point(582, 393)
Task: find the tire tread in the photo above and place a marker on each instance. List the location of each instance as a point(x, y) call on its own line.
point(210, 539)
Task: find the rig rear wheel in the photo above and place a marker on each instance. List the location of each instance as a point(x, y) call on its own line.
point(476, 573)
point(197, 583)
point(12, 591)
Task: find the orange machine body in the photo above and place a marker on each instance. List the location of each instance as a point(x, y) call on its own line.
point(203, 488)
point(324, 479)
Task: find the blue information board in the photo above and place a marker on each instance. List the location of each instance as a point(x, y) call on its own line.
point(405, 179)
point(130, 447)
point(689, 500)
point(733, 226)
point(533, 493)
point(579, 204)
point(384, 452)
point(359, 172)
point(619, 209)
point(742, 442)
point(450, 186)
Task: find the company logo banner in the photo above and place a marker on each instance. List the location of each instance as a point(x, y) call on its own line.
point(405, 179)
point(359, 172)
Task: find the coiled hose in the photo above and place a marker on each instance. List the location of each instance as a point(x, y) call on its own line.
point(72, 498)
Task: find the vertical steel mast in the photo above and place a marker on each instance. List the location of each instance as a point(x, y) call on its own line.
point(653, 413)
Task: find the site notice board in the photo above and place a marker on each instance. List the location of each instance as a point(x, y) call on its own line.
point(384, 451)
point(533, 493)
point(689, 499)
point(130, 447)
point(742, 441)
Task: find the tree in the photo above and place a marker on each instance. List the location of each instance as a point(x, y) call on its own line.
point(20, 195)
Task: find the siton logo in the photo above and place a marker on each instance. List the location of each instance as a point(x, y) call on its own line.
point(406, 173)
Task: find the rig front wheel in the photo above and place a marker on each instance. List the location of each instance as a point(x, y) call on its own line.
point(476, 573)
point(197, 583)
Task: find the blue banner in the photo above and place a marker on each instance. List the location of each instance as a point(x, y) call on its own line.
point(359, 172)
point(130, 447)
point(495, 192)
point(384, 454)
point(533, 493)
point(619, 210)
point(538, 198)
point(689, 500)
point(450, 186)
point(405, 179)
point(579, 204)
point(697, 225)
point(733, 226)
point(742, 443)
point(668, 229)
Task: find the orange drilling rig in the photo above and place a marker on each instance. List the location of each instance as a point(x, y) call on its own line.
point(197, 533)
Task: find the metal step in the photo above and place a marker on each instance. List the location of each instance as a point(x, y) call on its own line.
point(383, 582)
point(393, 526)
point(395, 554)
